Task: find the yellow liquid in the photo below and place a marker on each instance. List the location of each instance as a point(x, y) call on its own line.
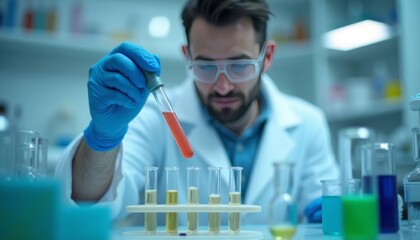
point(234, 218)
point(283, 232)
point(150, 218)
point(214, 218)
point(192, 218)
point(171, 217)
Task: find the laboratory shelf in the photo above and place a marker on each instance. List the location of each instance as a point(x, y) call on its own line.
point(194, 208)
point(82, 44)
point(371, 109)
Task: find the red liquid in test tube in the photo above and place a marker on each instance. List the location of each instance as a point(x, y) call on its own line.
point(178, 134)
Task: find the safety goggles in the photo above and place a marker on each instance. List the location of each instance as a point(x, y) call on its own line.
point(237, 71)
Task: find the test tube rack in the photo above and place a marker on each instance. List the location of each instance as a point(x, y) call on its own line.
point(199, 208)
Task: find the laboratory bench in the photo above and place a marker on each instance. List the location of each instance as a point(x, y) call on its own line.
point(304, 231)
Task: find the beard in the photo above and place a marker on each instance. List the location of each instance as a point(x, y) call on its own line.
point(230, 115)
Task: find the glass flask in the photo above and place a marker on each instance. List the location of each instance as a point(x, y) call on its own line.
point(412, 185)
point(283, 217)
point(412, 179)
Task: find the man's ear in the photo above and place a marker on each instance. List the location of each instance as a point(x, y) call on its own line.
point(269, 54)
point(184, 49)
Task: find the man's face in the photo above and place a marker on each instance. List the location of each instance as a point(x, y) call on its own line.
point(226, 101)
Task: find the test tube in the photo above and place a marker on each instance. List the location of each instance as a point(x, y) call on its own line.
point(235, 174)
point(150, 198)
point(155, 86)
point(192, 196)
point(214, 198)
point(172, 199)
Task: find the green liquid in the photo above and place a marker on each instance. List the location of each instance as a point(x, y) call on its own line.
point(171, 217)
point(150, 218)
point(234, 218)
point(214, 218)
point(192, 218)
point(360, 217)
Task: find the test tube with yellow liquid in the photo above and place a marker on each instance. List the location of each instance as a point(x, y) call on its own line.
point(172, 199)
point(283, 209)
point(192, 197)
point(214, 198)
point(235, 174)
point(150, 198)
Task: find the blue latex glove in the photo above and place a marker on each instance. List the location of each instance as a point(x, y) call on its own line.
point(117, 92)
point(313, 211)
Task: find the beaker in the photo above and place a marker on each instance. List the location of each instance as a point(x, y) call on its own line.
point(359, 211)
point(331, 203)
point(193, 176)
point(150, 196)
point(26, 160)
point(172, 198)
point(235, 176)
point(378, 165)
point(283, 217)
point(214, 198)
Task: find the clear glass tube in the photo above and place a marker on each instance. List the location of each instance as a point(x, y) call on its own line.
point(150, 198)
point(42, 170)
point(193, 176)
point(172, 199)
point(155, 86)
point(235, 180)
point(283, 217)
point(214, 198)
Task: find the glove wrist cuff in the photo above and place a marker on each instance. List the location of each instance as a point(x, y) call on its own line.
point(100, 143)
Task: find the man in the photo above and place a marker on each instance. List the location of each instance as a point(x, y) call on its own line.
point(231, 112)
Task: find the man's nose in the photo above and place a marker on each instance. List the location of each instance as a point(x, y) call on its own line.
point(222, 85)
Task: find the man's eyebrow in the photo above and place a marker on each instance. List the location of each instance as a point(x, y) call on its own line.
point(242, 56)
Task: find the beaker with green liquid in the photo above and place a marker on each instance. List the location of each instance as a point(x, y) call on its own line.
point(359, 210)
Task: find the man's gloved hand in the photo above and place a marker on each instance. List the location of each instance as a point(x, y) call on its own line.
point(117, 92)
point(313, 211)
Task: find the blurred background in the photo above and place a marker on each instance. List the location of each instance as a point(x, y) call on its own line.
point(356, 59)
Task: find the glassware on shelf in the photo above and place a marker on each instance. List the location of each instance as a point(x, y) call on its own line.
point(283, 217)
point(412, 179)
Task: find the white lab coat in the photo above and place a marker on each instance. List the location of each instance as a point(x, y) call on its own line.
point(296, 131)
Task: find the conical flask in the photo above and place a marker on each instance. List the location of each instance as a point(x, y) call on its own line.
point(412, 179)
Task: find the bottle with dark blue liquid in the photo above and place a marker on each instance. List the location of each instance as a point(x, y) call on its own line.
point(379, 174)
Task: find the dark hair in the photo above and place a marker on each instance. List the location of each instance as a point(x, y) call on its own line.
point(224, 12)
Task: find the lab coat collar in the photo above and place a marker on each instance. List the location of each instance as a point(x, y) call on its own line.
point(275, 142)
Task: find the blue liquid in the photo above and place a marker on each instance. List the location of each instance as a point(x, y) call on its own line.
point(388, 201)
point(331, 215)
